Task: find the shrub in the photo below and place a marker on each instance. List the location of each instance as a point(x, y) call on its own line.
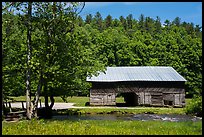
point(3, 117)
point(195, 106)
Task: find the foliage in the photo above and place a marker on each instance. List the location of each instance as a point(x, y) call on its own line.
point(60, 61)
point(195, 106)
point(66, 59)
point(14, 56)
point(101, 127)
point(146, 42)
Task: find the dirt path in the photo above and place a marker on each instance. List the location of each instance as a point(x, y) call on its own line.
point(56, 105)
point(71, 105)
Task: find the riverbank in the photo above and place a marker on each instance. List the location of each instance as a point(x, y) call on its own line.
point(118, 110)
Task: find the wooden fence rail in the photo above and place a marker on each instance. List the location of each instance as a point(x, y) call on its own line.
point(8, 104)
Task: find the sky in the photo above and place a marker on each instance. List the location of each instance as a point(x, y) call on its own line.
point(187, 11)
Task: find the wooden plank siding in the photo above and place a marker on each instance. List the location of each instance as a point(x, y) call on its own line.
point(102, 97)
point(146, 93)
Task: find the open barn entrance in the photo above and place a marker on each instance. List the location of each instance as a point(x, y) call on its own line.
point(130, 99)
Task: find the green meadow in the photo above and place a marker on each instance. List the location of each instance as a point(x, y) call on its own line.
point(100, 127)
point(103, 127)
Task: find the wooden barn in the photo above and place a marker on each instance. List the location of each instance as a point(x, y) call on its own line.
point(140, 85)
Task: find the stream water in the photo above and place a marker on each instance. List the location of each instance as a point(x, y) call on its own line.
point(142, 117)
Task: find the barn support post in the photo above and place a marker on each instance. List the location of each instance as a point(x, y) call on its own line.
point(180, 102)
point(144, 97)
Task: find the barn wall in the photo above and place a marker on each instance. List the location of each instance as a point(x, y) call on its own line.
point(147, 98)
point(182, 99)
point(148, 93)
point(102, 97)
point(141, 98)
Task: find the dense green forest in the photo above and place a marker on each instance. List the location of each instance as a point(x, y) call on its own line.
point(90, 45)
point(147, 42)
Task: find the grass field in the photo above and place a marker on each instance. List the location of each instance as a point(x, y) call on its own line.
point(101, 127)
point(80, 101)
point(138, 110)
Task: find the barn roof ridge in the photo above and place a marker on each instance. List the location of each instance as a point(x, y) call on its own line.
point(137, 73)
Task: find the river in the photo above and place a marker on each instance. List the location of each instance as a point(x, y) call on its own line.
point(142, 117)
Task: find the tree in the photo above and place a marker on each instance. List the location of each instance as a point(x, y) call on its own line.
point(149, 24)
point(198, 31)
point(13, 56)
point(54, 27)
point(129, 21)
point(98, 21)
point(29, 107)
point(80, 21)
point(88, 19)
point(115, 23)
point(46, 19)
point(141, 22)
point(158, 25)
point(123, 22)
point(167, 23)
point(176, 21)
point(11, 5)
point(195, 106)
point(108, 21)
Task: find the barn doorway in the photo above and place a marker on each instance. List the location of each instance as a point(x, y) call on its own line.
point(130, 99)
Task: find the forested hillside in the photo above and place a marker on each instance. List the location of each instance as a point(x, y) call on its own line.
point(147, 42)
point(94, 43)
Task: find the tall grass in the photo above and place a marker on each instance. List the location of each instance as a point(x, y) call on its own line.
point(104, 127)
point(139, 110)
point(101, 127)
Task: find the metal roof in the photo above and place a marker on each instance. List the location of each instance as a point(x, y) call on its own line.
point(137, 73)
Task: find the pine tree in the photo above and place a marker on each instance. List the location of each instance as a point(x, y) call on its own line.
point(108, 21)
point(129, 21)
point(88, 19)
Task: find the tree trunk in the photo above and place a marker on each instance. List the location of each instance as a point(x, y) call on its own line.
point(37, 95)
point(47, 111)
point(28, 90)
point(46, 94)
point(52, 100)
point(3, 106)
